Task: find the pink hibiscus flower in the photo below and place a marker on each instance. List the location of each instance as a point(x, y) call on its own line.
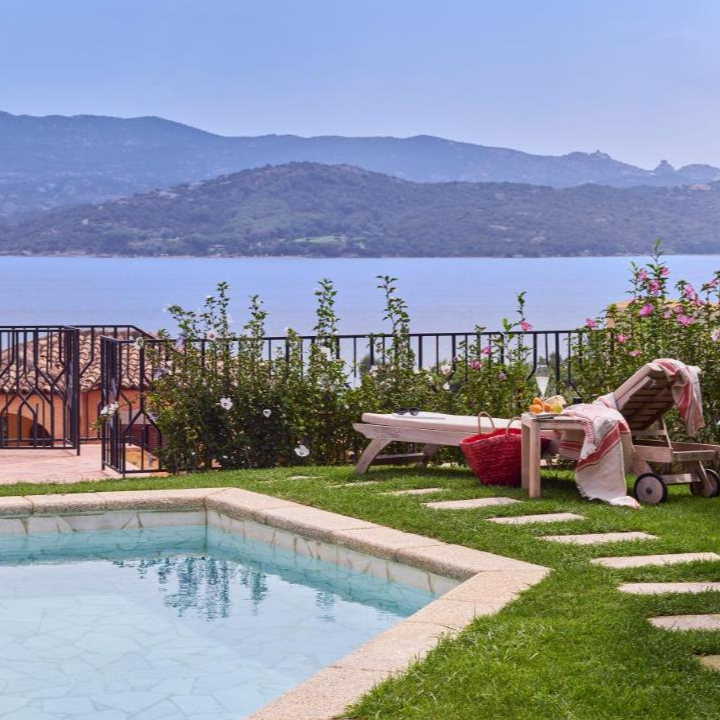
point(622, 338)
point(635, 353)
point(526, 326)
point(646, 310)
point(590, 323)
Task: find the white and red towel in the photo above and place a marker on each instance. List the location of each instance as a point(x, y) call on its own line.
point(604, 450)
point(685, 390)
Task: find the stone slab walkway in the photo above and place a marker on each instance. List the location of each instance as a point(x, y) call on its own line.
point(598, 538)
point(657, 588)
point(633, 561)
point(416, 491)
point(712, 662)
point(470, 504)
point(530, 519)
point(42, 467)
point(682, 623)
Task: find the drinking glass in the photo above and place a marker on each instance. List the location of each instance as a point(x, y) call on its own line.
point(542, 378)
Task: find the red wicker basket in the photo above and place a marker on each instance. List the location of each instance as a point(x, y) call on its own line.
point(495, 457)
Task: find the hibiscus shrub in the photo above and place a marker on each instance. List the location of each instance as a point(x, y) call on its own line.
point(224, 401)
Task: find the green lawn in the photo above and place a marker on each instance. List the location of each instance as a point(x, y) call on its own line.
point(572, 647)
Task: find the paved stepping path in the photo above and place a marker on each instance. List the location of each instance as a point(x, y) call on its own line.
point(711, 661)
point(598, 538)
point(528, 519)
point(655, 588)
point(687, 622)
point(633, 561)
point(415, 491)
point(358, 483)
point(470, 504)
point(303, 477)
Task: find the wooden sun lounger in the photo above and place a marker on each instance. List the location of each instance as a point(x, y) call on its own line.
point(431, 430)
point(643, 400)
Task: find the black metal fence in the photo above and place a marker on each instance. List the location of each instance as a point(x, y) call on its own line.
point(39, 382)
point(56, 380)
point(131, 438)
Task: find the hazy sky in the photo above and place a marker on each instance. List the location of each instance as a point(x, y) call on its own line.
point(639, 79)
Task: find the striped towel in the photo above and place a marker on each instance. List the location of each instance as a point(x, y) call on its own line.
point(685, 390)
point(603, 450)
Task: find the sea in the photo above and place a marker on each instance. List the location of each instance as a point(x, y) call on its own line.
point(443, 294)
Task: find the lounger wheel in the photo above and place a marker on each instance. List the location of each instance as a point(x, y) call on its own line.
point(707, 490)
point(650, 489)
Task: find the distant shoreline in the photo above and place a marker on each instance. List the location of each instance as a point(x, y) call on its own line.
point(356, 257)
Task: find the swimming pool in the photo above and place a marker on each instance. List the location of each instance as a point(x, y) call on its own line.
point(184, 621)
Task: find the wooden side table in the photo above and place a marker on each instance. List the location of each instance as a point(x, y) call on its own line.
point(532, 426)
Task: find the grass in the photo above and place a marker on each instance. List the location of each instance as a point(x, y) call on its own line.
point(572, 647)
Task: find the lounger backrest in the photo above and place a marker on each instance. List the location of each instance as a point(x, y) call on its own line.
point(644, 398)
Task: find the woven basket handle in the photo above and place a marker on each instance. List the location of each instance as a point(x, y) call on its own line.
point(489, 417)
point(511, 421)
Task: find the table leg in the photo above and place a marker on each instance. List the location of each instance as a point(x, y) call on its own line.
point(525, 442)
point(531, 458)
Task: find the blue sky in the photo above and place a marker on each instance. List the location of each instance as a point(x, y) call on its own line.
point(639, 79)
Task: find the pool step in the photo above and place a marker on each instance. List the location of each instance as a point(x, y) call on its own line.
point(633, 561)
point(598, 538)
point(682, 623)
point(530, 519)
point(657, 588)
point(470, 504)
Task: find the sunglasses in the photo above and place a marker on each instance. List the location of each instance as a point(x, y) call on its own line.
point(408, 411)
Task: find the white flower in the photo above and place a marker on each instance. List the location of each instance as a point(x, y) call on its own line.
point(301, 451)
point(211, 335)
point(446, 369)
point(139, 343)
point(226, 403)
point(267, 412)
point(373, 371)
point(110, 409)
point(446, 386)
point(715, 335)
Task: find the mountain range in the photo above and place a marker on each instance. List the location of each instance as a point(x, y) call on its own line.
point(54, 161)
point(305, 208)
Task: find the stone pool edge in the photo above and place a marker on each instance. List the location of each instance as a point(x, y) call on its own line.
point(487, 582)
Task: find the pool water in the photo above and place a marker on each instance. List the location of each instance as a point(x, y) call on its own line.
point(173, 622)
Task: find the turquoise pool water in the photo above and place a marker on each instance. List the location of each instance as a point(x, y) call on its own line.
point(173, 622)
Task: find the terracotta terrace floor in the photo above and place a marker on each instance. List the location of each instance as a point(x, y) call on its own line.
point(52, 466)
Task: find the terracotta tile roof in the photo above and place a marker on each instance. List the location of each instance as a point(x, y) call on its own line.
point(24, 367)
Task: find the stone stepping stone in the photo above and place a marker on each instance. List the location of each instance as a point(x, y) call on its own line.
point(303, 477)
point(656, 588)
point(682, 623)
point(529, 519)
point(416, 491)
point(357, 483)
point(470, 504)
point(633, 561)
point(712, 662)
point(598, 538)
